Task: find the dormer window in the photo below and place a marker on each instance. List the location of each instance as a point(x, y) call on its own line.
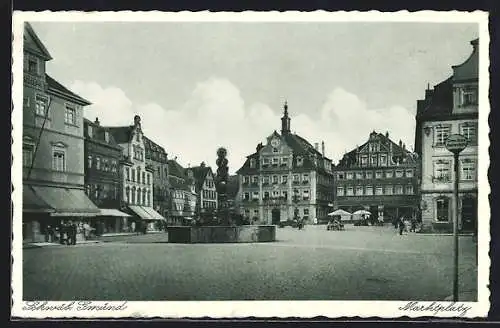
point(468, 96)
point(300, 161)
point(275, 150)
point(106, 136)
point(252, 163)
point(33, 65)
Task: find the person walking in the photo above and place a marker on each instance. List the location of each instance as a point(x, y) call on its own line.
point(401, 225)
point(74, 231)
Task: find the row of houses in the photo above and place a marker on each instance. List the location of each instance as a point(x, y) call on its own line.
point(288, 177)
point(115, 178)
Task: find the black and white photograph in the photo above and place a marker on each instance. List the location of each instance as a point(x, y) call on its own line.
point(253, 161)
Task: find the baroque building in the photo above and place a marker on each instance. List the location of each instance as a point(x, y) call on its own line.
point(137, 181)
point(206, 203)
point(379, 176)
point(451, 107)
point(285, 178)
point(53, 143)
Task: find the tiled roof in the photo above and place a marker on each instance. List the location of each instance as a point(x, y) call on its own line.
point(175, 169)
point(177, 184)
point(53, 84)
point(98, 133)
point(200, 174)
point(29, 29)
point(153, 146)
point(121, 134)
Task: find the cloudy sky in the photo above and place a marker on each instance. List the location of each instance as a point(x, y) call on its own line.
point(198, 86)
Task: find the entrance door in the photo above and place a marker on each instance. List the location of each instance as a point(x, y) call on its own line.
point(469, 213)
point(275, 213)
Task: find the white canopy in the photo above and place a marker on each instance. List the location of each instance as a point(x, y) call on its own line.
point(362, 212)
point(339, 212)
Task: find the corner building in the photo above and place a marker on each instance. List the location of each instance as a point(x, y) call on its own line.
point(284, 178)
point(451, 107)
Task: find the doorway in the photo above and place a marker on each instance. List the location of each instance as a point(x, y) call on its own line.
point(275, 214)
point(469, 213)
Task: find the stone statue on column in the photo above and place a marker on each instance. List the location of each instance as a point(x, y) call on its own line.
point(221, 180)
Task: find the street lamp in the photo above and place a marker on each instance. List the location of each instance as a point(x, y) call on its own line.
point(455, 143)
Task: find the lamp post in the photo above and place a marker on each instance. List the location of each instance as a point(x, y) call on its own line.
point(455, 143)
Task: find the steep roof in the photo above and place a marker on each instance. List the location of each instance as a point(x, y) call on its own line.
point(469, 69)
point(58, 87)
point(28, 29)
point(98, 134)
point(176, 183)
point(438, 102)
point(153, 146)
point(350, 158)
point(200, 174)
point(121, 134)
point(175, 169)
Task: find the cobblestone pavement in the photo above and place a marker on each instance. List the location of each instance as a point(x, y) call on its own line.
point(361, 263)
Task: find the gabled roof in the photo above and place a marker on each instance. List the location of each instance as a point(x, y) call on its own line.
point(350, 158)
point(98, 133)
point(153, 146)
point(63, 91)
point(175, 169)
point(41, 47)
point(121, 134)
point(200, 174)
point(177, 184)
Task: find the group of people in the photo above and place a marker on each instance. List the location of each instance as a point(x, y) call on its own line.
point(406, 224)
point(66, 232)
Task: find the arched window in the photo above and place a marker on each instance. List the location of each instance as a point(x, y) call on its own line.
point(127, 195)
point(442, 209)
point(144, 198)
point(139, 196)
point(139, 174)
point(133, 195)
point(149, 197)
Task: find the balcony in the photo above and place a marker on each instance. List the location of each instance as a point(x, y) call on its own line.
point(441, 179)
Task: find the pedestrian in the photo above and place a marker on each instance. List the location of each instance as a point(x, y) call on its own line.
point(401, 224)
point(74, 231)
point(413, 227)
point(132, 227)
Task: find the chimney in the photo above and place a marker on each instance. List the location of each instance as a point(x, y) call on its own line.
point(137, 120)
point(387, 134)
point(97, 121)
point(400, 143)
point(323, 148)
point(202, 164)
point(316, 146)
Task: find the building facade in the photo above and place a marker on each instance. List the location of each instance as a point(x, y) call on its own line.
point(206, 200)
point(379, 176)
point(450, 108)
point(137, 177)
point(286, 178)
point(102, 177)
point(53, 147)
point(182, 194)
point(156, 157)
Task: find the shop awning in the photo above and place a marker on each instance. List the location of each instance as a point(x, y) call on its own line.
point(140, 212)
point(112, 212)
point(32, 203)
point(67, 202)
point(155, 215)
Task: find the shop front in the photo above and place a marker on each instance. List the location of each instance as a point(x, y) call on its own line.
point(47, 208)
point(146, 219)
point(110, 221)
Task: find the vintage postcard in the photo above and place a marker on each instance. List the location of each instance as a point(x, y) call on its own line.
point(254, 164)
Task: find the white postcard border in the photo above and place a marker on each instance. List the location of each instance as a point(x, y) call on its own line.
point(221, 309)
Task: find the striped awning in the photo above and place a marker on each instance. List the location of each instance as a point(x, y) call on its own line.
point(67, 202)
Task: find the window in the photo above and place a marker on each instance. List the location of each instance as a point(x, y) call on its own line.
point(295, 178)
point(275, 161)
point(114, 166)
point(90, 131)
point(275, 150)
point(305, 178)
point(284, 161)
point(340, 191)
point(369, 174)
point(340, 176)
point(275, 179)
point(350, 191)
point(468, 96)
point(284, 179)
point(389, 174)
point(374, 160)
point(255, 180)
point(58, 158)
point(246, 180)
point(300, 161)
point(364, 160)
point(442, 205)
point(383, 160)
point(359, 175)
point(350, 175)
point(306, 211)
point(285, 194)
point(106, 136)
point(378, 175)
point(98, 163)
point(144, 177)
point(442, 171)
point(41, 104)
point(33, 65)
point(369, 190)
point(442, 133)
point(468, 169)
point(139, 175)
point(276, 194)
point(409, 190)
point(28, 150)
point(133, 175)
point(144, 197)
point(133, 195)
point(256, 213)
point(252, 163)
point(246, 196)
point(149, 198)
point(265, 180)
point(409, 173)
point(89, 161)
point(127, 173)
point(469, 130)
point(399, 190)
point(265, 161)
point(70, 115)
point(388, 190)
point(359, 190)
point(266, 194)
point(379, 190)
point(305, 194)
point(399, 173)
